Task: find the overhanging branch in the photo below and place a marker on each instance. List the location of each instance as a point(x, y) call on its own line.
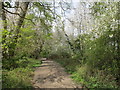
point(18, 15)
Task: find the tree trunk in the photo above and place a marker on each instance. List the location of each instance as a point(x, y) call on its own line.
point(3, 15)
point(24, 7)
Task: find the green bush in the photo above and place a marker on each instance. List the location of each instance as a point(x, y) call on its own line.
point(20, 77)
point(68, 63)
point(17, 78)
point(94, 78)
point(59, 54)
point(28, 62)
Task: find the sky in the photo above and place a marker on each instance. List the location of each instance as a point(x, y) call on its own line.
point(69, 14)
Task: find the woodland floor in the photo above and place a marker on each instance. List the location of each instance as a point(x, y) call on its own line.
point(51, 75)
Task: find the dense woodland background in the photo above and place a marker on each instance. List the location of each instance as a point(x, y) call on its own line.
point(84, 39)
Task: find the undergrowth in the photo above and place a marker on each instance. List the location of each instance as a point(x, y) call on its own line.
point(85, 75)
point(21, 76)
point(68, 65)
point(94, 78)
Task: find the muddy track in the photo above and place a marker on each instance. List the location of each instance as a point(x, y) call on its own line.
point(51, 75)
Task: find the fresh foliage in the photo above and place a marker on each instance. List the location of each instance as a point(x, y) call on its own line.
point(21, 76)
point(86, 42)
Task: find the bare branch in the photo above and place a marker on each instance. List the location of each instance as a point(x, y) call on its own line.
point(18, 15)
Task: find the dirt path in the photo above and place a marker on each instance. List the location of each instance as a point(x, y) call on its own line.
point(51, 75)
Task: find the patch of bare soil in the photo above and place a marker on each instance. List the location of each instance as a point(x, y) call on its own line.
point(51, 75)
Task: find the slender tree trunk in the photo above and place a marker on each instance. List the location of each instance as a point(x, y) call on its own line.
point(24, 6)
point(68, 40)
point(118, 42)
point(3, 15)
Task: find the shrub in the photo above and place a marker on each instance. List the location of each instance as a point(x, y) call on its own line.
point(94, 78)
point(20, 77)
point(17, 78)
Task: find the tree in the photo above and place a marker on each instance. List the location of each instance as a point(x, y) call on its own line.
point(8, 51)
